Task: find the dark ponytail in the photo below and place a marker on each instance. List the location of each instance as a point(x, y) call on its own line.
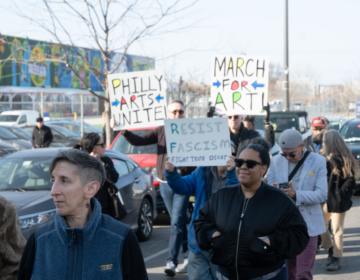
point(88, 142)
point(261, 146)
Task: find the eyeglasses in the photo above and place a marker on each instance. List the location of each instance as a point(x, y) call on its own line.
point(177, 111)
point(292, 155)
point(250, 164)
point(101, 145)
point(235, 117)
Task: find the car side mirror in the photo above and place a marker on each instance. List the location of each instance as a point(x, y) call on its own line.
point(302, 130)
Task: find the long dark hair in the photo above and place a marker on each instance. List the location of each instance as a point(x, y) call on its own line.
point(88, 142)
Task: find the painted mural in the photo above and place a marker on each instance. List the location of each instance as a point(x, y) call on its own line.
point(31, 63)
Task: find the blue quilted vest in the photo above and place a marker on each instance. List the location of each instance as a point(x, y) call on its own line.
point(92, 252)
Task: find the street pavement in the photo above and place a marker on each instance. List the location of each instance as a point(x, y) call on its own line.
point(155, 250)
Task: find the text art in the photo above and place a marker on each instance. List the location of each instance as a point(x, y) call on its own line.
point(138, 99)
point(198, 142)
point(239, 84)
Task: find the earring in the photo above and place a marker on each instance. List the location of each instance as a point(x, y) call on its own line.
point(87, 204)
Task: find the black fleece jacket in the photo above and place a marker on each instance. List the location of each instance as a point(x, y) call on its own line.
point(268, 213)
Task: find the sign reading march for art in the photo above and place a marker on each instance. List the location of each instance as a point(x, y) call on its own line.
point(239, 84)
point(138, 99)
point(198, 142)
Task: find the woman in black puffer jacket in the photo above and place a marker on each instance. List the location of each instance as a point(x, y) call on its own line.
point(95, 146)
point(251, 227)
point(342, 171)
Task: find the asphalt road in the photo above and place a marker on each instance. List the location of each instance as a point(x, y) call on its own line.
point(155, 250)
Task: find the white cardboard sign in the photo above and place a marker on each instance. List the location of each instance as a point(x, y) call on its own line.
point(239, 84)
point(138, 99)
point(198, 142)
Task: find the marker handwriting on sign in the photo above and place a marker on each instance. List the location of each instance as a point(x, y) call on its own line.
point(193, 128)
point(137, 85)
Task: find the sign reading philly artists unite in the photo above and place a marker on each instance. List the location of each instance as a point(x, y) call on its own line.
point(239, 84)
point(198, 142)
point(138, 99)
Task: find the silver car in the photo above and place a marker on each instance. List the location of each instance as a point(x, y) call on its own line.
point(25, 179)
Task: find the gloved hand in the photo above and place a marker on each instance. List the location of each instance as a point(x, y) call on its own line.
point(267, 117)
point(211, 112)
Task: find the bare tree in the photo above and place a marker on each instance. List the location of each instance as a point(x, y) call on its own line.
point(109, 26)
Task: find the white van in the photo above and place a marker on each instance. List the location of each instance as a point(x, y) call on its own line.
point(19, 118)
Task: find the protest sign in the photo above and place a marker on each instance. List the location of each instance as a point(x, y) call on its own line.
point(198, 142)
point(239, 84)
point(138, 99)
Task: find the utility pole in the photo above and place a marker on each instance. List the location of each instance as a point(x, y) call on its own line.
point(82, 114)
point(286, 59)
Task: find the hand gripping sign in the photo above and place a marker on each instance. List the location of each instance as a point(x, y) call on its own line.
point(137, 99)
point(239, 84)
point(198, 142)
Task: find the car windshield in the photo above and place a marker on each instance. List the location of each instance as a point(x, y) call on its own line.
point(92, 128)
point(6, 134)
point(334, 125)
point(351, 133)
point(64, 131)
point(8, 118)
point(282, 123)
point(31, 173)
point(20, 132)
point(123, 146)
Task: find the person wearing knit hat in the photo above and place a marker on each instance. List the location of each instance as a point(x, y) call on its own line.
point(301, 175)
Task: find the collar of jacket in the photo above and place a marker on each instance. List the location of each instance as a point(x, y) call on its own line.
point(66, 234)
point(257, 194)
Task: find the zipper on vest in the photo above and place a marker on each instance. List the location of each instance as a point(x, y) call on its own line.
point(246, 202)
point(75, 256)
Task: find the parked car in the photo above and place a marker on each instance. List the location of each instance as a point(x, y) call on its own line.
point(6, 149)
point(19, 118)
point(4, 108)
point(12, 139)
point(76, 126)
point(61, 135)
point(146, 157)
point(336, 123)
point(25, 179)
point(350, 131)
point(287, 120)
point(22, 133)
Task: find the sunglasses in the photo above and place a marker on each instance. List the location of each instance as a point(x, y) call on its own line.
point(235, 117)
point(177, 111)
point(101, 145)
point(250, 164)
point(292, 155)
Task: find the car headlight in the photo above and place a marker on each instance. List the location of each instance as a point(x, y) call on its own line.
point(36, 219)
point(153, 171)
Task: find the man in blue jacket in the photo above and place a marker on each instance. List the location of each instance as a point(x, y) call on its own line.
point(204, 181)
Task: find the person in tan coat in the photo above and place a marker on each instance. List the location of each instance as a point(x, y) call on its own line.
point(12, 242)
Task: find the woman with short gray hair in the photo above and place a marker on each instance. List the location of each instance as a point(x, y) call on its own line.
point(81, 243)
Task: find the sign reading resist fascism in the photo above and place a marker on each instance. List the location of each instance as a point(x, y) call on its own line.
point(239, 84)
point(198, 142)
point(137, 99)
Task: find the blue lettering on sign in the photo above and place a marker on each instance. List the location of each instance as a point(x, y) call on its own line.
point(174, 129)
point(172, 146)
point(218, 157)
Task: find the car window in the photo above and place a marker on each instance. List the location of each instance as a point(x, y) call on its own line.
point(123, 146)
point(8, 118)
point(22, 119)
point(334, 125)
point(351, 133)
point(282, 123)
point(20, 132)
point(131, 166)
point(31, 173)
point(120, 167)
point(6, 134)
point(302, 123)
point(64, 131)
point(29, 129)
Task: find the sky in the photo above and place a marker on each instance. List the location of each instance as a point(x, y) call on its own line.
point(324, 41)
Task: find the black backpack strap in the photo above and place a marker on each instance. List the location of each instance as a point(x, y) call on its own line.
point(299, 164)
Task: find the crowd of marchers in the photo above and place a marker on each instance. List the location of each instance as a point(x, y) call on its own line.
point(243, 225)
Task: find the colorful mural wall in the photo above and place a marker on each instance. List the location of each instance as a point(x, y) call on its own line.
point(25, 62)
